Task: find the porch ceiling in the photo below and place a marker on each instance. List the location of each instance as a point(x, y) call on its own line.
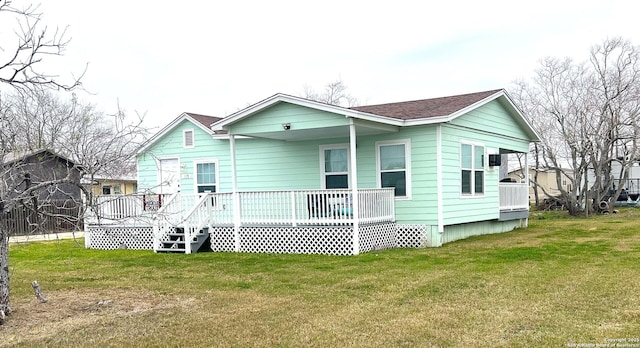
point(322, 133)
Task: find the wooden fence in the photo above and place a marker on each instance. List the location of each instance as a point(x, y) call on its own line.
point(49, 217)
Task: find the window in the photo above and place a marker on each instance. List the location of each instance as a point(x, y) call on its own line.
point(472, 169)
point(106, 190)
point(206, 174)
point(335, 166)
point(189, 140)
point(394, 163)
point(116, 190)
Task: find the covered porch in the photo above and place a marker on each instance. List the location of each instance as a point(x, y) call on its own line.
point(514, 201)
point(292, 221)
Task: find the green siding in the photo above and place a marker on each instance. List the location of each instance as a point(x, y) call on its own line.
point(494, 119)
point(272, 118)
point(422, 207)
point(265, 164)
point(277, 165)
point(492, 127)
point(171, 145)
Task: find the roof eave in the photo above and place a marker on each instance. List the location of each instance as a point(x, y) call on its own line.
point(531, 133)
point(427, 121)
point(277, 98)
point(166, 129)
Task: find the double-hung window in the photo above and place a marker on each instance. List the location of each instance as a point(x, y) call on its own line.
point(472, 169)
point(394, 166)
point(335, 166)
point(206, 177)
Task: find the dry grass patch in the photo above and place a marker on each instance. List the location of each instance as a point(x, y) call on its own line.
point(68, 311)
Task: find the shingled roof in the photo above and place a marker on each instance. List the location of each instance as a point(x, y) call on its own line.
point(426, 108)
point(204, 119)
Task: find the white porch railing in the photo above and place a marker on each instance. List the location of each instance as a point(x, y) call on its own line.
point(114, 208)
point(283, 208)
point(513, 196)
point(315, 207)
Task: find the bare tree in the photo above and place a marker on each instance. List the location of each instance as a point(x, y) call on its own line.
point(20, 63)
point(48, 142)
point(587, 114)
point(334, 93)
point(104, 144)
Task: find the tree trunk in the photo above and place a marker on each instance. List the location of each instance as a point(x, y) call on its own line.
point(4, 274)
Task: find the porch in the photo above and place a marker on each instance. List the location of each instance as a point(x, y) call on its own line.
point(514, 201)
point(293, 221)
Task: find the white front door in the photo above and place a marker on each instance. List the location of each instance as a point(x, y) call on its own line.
point(169, 175)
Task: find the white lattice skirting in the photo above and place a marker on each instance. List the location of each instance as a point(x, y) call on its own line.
point(412, 236)
point(377, 237)
point(120, 237)
point(222, 238)
point(328, 240)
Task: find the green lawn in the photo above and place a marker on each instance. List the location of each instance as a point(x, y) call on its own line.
point(562, 280)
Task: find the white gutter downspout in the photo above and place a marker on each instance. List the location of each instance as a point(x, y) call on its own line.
point(236, 196)
point(354, 187)
point(440, 202)
point(526, 170)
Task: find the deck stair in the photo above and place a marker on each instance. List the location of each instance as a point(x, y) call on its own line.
point(183, 233)
point(174, 242)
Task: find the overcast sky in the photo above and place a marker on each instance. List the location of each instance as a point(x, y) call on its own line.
point(215, 57)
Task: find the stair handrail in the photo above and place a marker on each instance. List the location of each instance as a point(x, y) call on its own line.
point(199, 222)
point(169, 203)
point(161, 222)
point(201, 203)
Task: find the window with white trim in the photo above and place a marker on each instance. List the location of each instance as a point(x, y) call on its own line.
point(472, 169)
point(188, 138)
point(206, 177)
point(335, 166)
point(394, 166)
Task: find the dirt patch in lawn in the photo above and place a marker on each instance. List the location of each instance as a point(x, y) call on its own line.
point(32, 321)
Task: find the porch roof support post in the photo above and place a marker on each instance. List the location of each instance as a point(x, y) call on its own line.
point(526, 169)
point(236, 196)
point(354, 187)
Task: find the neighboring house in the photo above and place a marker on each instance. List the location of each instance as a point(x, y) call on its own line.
point(35, 167)
point(631, 186)
point(56, 206)
point(291, 175)
point(113, 186)
point(546, 182)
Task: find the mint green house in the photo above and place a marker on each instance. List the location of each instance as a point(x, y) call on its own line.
point(290, 175)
